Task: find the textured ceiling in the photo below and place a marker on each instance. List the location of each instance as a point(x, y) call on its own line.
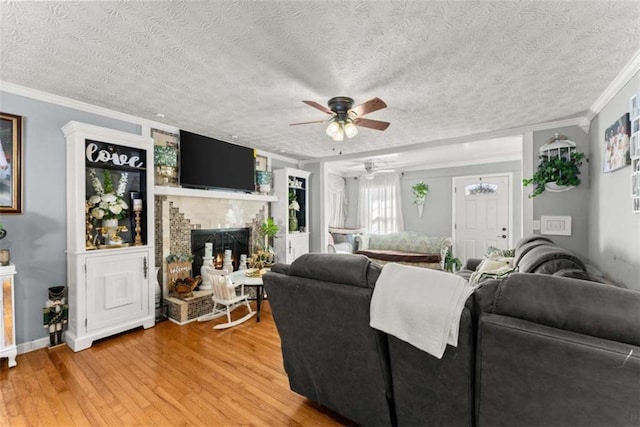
point(445, 68)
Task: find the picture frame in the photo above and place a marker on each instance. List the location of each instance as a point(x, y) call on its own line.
point(11, 178)
point(616, 148)
point(555, 225)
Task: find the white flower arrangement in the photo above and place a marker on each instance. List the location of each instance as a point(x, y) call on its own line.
point(294, 205)
point(107, 204)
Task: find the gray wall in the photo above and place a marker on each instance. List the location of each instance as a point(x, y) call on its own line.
point(315, 207)
point(574, 203)
point(37, 237)
point(613, 231)
point(437, 216)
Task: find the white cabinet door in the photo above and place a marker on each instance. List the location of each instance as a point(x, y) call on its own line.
point(298, 244)
point(117, 289)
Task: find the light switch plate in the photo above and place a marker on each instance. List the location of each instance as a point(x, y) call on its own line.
point(556, 225)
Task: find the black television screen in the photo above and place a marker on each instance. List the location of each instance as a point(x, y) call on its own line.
point(210, 163)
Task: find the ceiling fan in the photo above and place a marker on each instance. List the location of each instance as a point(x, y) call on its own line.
point(345, 117)
point(370, 169)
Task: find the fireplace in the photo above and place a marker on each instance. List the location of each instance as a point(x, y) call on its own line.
point(234, 239)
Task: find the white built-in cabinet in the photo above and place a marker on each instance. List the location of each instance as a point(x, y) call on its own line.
point(289, 183)
point(7, 314)
point(110, 274)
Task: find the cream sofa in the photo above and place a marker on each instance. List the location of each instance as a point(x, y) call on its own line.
point(405, 247)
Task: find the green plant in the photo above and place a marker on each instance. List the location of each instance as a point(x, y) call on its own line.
point(269, 230)
point(562, 170)
point(451, 263)
point(420, 190)
point(180, 258)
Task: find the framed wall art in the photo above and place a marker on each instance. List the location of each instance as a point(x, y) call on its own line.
point(10, 163)
point(617, 145)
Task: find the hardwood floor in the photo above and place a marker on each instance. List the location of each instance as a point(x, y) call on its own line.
point(165, 375)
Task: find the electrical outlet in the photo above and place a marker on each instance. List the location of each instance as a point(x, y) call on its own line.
point(536, 224)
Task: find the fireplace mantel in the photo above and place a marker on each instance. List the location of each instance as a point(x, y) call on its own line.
point(212, 194)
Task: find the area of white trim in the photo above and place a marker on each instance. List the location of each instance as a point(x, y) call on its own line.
point(575, 121)
point(212, 194)
point(623, 77)
point(527, 171)
point(26, 347)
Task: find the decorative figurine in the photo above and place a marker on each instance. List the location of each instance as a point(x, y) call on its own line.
point(55, 314)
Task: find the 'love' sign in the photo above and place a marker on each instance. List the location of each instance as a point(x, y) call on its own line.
point(97, 155)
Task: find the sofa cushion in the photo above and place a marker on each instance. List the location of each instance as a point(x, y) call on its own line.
point(409, 241)
point(584, 307)
point(547, 259)
point(348, 269)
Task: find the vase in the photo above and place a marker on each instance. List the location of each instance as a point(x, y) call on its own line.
point(293, 221)
point(110, 223)
point(264, 179)
point(111, 231)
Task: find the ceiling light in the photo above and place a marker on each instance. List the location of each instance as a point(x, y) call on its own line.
point(333, 128)
point(350, 129)
point(339, 136)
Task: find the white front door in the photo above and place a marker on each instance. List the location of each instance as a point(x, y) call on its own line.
point(482, 215)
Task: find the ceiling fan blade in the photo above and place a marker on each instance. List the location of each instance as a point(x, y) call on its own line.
point(370, 106)
point(371, 124)
point(307, 123)
point(319, 107)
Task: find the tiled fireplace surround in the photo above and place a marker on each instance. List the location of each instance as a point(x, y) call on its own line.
point(176, 216)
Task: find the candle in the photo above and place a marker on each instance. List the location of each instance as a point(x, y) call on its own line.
point(137, 205)
point(208, 250)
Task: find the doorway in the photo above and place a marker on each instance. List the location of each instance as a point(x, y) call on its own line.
point(482, 207)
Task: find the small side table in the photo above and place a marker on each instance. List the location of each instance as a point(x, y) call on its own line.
point(241, 277)
point(7, 314)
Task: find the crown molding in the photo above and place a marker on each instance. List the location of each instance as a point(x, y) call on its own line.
point(82, 106)
point(145, 124)
point(574, 121)
point(623, 77)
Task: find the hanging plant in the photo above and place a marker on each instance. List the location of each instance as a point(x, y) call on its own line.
point(420, 191)
point(561, 171)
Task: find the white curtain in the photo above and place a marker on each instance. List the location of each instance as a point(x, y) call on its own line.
point(380, 205)
point(337, 201)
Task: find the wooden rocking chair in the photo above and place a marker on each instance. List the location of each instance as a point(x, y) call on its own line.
point(225, 295)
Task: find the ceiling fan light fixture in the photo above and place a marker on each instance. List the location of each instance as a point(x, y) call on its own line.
point(333, 128)
point(339, 136)
point(350, 129)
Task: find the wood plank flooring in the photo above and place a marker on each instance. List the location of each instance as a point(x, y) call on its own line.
point(165, 375)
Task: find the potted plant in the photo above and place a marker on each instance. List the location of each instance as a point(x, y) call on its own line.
point(451, 263)
point(556, 173)
point(420, 191)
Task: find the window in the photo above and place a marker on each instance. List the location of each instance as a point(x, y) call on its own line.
point(480, 188)
point(380, 208)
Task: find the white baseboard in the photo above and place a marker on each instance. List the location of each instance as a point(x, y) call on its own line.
point(26, 347)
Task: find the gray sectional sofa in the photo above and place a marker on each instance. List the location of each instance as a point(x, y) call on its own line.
point(534, 348)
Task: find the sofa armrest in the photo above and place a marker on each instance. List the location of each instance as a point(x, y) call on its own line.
point(362, 241)
point(340, 248)
point(472, 264)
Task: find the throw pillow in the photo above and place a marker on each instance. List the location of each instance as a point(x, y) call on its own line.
point(492, 266)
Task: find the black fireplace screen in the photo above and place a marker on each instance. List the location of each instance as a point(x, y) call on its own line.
point(234, 239)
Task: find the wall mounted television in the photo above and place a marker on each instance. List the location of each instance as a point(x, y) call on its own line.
point(209, 163)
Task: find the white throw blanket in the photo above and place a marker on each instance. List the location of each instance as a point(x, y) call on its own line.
point(420, 306)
